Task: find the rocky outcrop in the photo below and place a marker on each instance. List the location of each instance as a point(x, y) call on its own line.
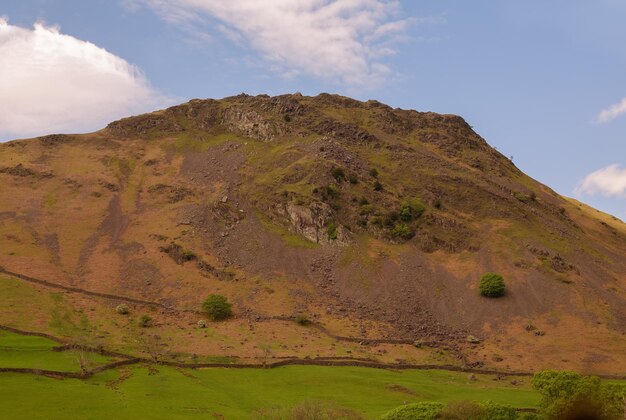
point(343, 131)
point(249, 123)
point(142, 125)
point(315, 222)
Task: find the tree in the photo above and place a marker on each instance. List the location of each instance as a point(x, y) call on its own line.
point(82, 358)
point(569, 395)
point(152, 345)
point(217, 307)
point(491, 285)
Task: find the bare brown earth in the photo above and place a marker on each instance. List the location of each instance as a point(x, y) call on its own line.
point(241, 197)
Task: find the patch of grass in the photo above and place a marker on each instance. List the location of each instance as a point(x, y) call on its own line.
point(19, 298)
point(331, 231)
point(121, 167)
point(21, 351)
point(236, 393)
point(50, 201)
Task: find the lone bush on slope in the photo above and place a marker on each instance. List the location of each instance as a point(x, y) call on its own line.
point(491, 285)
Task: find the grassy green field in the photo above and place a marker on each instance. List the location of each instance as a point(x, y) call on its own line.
point(164, 392)
point(21, 351)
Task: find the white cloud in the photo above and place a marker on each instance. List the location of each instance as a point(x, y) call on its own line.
point(50, 82)
point(612, 112)
point(341, 41)
point(609, 182)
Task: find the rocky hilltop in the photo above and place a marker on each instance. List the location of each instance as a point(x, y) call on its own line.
point(375, 223)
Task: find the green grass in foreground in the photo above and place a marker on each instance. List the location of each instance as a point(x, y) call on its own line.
point(161, 392)
point(136, 392)
point(21, 351)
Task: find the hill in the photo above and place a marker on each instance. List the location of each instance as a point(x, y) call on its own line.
point(373, 223)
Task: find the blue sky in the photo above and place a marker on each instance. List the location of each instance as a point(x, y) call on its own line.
point(541, 80)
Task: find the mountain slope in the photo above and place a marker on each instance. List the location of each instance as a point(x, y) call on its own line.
point(374, 222)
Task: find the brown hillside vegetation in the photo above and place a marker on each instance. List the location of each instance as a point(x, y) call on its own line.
point(373, 223)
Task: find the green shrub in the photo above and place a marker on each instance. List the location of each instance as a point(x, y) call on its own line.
point(378, 186)
point(495, 411)
point(338, 174)
point(367, 209)
point(529, 416)
point(331, 192)
point(454, 410)
point(353, 179)
point(491, 285)
point(401, 230)
point(302, 319)
point(416, 411)
point(308, 410)
point(188, 255)
point(145, 321)
point(331, 231)
point(217, 307)
point(411, 209)
point(463, 410)
point(122, 309)
point(374, 173)
point(377, 221)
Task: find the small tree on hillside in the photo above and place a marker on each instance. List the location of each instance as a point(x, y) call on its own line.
point(491, 285)
point(411, 209)
point(217, 307)
point(82, 358)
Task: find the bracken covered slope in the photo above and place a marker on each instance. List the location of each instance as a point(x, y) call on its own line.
point(373, 222)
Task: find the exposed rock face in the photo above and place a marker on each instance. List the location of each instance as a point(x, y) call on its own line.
point(343, 131)
point(251, 124)
point(313, 223)
point(200, 113)
point(144, 124)
point(284, 105)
